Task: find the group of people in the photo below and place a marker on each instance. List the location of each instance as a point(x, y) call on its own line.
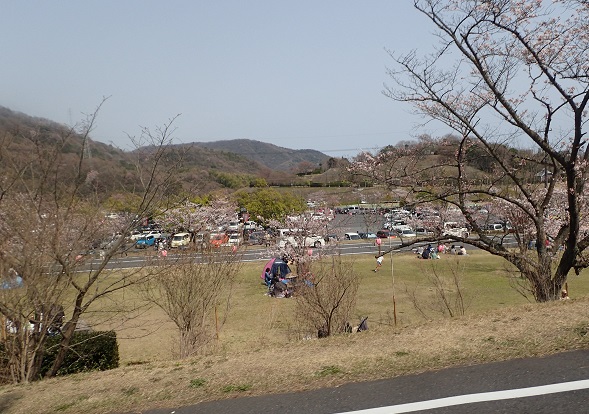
point(459, 250)
point(430, 252)
point(277, 285)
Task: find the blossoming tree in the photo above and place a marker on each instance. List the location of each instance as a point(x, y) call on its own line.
point(505, 73)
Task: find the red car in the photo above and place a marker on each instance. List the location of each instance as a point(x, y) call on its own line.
point(384, 234)
point(218, 239)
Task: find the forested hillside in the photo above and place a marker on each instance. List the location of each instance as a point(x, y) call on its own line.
point(269, 155)
point(206, 167)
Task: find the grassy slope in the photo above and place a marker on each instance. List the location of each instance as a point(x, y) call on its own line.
point(499, 324)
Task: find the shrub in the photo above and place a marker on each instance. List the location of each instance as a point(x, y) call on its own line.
point(89, 351)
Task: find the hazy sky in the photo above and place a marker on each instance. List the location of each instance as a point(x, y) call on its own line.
point(298, 74)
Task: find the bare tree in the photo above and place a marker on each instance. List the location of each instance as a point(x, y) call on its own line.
point(327, 297)
point(445, 293)
point(191, 294)
point(51, 214)
point(504, 73)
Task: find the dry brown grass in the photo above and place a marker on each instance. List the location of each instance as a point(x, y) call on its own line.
point(246, 361)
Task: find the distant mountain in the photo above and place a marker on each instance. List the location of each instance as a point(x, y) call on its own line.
point(205, 165)
point(269, 155)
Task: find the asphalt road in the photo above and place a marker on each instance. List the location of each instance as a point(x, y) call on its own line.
point(548, 385)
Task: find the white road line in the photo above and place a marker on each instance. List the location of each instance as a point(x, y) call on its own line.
point(475, 398)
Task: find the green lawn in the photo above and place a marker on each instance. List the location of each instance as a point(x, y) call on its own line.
point(256, 321)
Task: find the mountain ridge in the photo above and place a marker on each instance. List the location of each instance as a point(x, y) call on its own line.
point(269, 155)
point(203, 162)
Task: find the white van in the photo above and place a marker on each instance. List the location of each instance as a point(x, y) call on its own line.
point(353, 209)
point(454, 229)
point(282, 233)
point(180, 240)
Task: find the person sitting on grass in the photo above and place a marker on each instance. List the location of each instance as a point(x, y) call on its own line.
point(279, 288)
point(268, 277)
point(427, 252)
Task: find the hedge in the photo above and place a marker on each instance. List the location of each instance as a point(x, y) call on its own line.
point(89, 351)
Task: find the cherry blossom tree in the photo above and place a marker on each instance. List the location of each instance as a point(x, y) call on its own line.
point(52, 214)
point(504, 74)
point(209, 216)
point(304, 240)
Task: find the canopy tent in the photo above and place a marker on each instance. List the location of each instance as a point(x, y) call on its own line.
point(277, 266)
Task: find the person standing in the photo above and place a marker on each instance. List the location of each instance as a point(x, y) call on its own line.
point(379, 260)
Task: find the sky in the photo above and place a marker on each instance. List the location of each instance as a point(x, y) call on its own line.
point(297, 74)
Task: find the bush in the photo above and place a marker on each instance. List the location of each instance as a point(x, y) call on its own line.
point(89, 351)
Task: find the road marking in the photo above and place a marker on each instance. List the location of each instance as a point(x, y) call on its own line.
point(475, 398)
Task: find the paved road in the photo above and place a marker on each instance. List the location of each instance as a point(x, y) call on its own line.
point(554, 384)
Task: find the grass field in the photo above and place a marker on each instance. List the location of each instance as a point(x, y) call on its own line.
point(255, 320)
point(498, 324)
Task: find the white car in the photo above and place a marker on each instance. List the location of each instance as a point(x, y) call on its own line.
point(309, 241)
point(455, 230)
point(352, 236)
point(233, 226)
point(408, 232)
point(180, 240)
point(234, 239)
point(136, 235)
point(250, 225)
point(155, 233)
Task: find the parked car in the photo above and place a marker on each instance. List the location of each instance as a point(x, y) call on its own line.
point(146, 241)
point(395, 224)
point(258, 238)
point(180, 240)
point(234, 239)
point(351, 236)
point(309, 241)
point(314, 241)
point(408, 232)
point(136, 235)
point(233, 226)
point(494, 228)
point(353, 209)
point(452, 228)
point(250, 225)
point(423, 232)
point(155, 233)
point(218, 239)
point(367, 235)
point(384, 234)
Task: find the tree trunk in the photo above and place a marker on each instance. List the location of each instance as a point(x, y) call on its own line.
point(64, 346)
